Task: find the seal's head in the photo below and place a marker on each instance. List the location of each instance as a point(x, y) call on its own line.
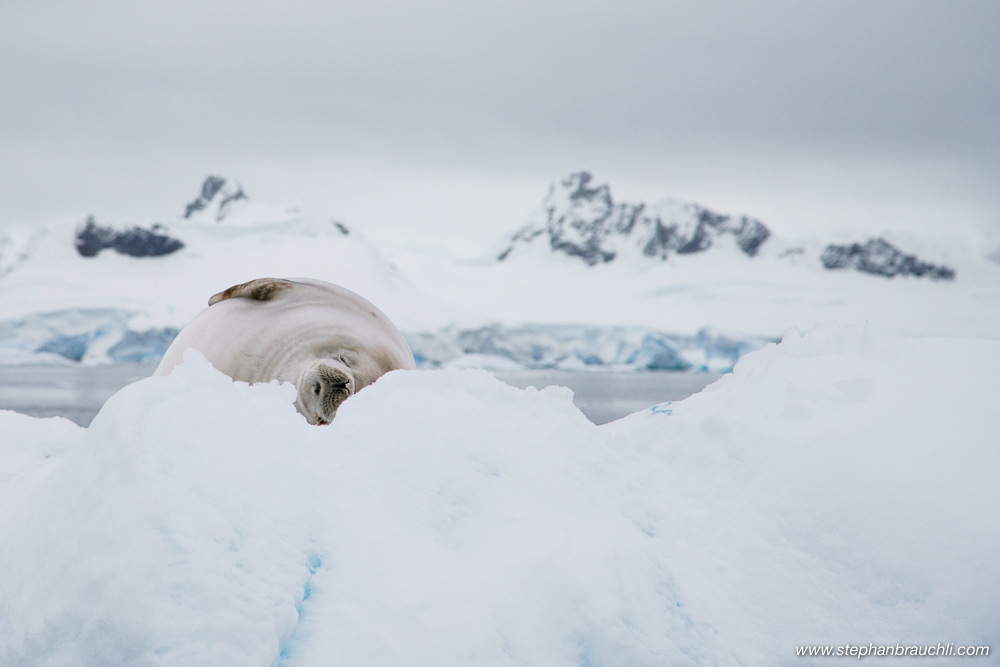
point(323, 384)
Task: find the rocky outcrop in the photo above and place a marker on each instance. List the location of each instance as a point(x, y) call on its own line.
point(91, 239)
point(582, 220)
point(879, 257)
point(217, 196)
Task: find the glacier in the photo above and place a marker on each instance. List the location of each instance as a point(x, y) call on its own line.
point(90, 336)
point(105, 336)
point(579, 347)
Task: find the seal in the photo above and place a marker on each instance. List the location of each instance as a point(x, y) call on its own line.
point(328, 341)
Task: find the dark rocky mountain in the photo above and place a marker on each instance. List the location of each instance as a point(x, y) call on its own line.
point(580, 219)
point(583, 220)
point(217, 196)
point(879, 257)
point(91, 239)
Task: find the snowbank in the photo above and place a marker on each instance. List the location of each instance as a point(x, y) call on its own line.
point(837, 488)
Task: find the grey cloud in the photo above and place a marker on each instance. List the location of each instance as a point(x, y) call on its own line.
point(504, 85)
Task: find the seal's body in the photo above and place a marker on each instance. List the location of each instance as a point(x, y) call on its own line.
point(327, 340)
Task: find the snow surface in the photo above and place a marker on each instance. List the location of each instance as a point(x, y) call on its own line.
point(838, 487)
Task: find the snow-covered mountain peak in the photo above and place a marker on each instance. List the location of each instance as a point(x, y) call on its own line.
point(575, 191)
point(216, 200)
point(580, 219)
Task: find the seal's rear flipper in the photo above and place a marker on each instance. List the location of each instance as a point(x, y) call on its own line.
point(261, 289)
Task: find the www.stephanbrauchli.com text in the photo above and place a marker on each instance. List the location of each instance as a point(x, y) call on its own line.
point(847, 650)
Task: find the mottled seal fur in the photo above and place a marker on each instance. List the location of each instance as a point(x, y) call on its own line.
point(327, 340)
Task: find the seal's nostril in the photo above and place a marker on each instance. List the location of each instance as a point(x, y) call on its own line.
point(316, 388)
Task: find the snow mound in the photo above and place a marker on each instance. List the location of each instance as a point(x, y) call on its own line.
point(837, 487)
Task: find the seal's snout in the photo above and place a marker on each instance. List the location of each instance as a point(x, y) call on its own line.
point(322, 389)
point(330, 381)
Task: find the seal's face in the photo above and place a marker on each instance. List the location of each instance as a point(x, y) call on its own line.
point(323, 385)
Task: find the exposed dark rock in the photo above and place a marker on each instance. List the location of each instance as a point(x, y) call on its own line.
point(92, 239)
point(136, 242)
point(212, 187)
point(750, 235)
point(878, 256)
point(583, 220)
point(209, 188)
point(661, 240)
point(590, 252)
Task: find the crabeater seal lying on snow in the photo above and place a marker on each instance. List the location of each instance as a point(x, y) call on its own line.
point(327, 340)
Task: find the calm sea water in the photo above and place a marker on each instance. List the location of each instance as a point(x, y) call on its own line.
point(78, 393)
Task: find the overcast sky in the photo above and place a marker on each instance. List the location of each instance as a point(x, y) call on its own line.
point(446, 121)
